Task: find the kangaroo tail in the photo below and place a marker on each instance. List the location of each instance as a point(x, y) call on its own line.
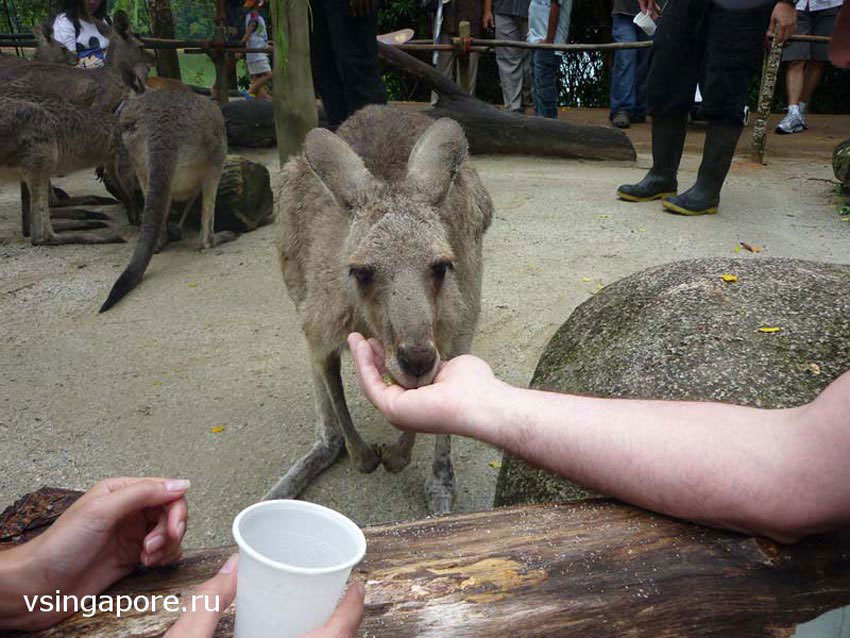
point(161, 167)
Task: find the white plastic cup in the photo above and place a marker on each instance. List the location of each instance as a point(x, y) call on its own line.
point(645, 22)
point(294, 560)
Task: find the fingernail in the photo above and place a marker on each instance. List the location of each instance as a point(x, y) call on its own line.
point(177, 485)
point(229, 565)
point(155, 543)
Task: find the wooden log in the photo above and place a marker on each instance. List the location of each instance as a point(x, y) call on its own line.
point(30, 515)
point(464, 67)
point(491, 130)
point(591, 568)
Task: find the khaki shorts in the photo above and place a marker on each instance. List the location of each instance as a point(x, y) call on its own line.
point(811, 23)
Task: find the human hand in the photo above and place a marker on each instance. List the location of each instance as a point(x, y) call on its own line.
point(783, 22)
point(488, 22)
point(651, 7)
point(200, 623)
point(447, 406)
point(117, 525)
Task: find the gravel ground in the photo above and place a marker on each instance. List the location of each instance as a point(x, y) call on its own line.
point(212, 339)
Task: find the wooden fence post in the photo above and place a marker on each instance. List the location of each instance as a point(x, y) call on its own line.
point(464, 66)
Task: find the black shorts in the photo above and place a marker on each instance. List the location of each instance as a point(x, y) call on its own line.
point(812, 23)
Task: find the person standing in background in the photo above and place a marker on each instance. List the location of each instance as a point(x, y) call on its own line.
point(257, 37)
point(509, 18)
point(701, 42)
point(548, 23)
point(344, 57)
point(447, 16)
point(75, 29)
point(806, 60)
point(631, 67)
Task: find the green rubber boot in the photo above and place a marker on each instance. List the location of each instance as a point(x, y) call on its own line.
point(668, 140)
point(703, 197)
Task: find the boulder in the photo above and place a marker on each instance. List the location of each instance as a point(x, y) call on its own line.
point(774, 338)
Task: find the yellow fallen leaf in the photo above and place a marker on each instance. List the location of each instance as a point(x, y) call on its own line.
point(217, 429)
point(604, 216)
point(193, 285)
point(156, 384)
point(769, 329)
point(495, 464)
point(738, 248)
point(600, 286)
point(814, 368)
point(641, 230)
point(586, 280)
point(729, 278)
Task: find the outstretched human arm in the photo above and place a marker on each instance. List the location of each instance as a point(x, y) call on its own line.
point(778, 473)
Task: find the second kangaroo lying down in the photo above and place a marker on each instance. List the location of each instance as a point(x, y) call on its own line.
point(380, 231)
point(176, 143)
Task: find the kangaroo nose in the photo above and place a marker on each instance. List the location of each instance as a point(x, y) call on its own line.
point(417, 360)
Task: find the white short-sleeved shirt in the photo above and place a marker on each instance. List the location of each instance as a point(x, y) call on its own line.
point(90, 46)
point(817, 5)
point(538, 21)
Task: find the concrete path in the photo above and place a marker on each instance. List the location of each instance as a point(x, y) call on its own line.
point(211, 340)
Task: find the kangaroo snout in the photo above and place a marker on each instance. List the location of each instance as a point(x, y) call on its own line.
point(417, 360)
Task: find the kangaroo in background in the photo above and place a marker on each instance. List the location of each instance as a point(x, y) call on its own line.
point(48, 50)
point(102, 89)
point(380, 230)
point(52, 137)
point(176, 142)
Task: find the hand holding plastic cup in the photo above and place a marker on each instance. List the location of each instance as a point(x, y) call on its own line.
point(294, 560)
point(646, 23)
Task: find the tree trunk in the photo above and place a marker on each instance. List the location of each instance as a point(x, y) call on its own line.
point(593, 568)
point(162, 26)
point(491, 130)
point(293, 95)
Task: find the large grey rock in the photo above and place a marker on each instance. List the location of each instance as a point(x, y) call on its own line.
point(680, 332)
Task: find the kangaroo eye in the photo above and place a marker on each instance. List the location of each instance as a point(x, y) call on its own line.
point(363, 274)
point(438, 270)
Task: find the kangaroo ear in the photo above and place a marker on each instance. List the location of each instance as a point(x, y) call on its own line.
point(337, 166)
point(121, 24)
point(42, 33)
point(436, 158)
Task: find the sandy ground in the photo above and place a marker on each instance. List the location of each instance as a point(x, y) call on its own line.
point(212, 339)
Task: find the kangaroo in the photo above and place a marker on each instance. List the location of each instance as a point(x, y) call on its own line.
point(380, 230)
point(176, 143)
point(103, 89)
point(46, 138)
point(48, 50)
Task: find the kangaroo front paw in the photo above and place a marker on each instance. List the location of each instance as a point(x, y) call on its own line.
point(441, 496)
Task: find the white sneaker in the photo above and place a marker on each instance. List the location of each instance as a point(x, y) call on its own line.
point(791, 123)
point(803, 115)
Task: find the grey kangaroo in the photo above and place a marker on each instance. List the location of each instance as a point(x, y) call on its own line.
point(380, 231)
point(176, 142)
point(48, 50)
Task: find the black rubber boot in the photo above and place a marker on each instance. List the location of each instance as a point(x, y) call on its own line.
point(704, 196)
point(668, 139)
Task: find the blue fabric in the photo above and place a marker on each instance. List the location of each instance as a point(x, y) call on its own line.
point(631, 68)
point(538, 21)
point(544, 75)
